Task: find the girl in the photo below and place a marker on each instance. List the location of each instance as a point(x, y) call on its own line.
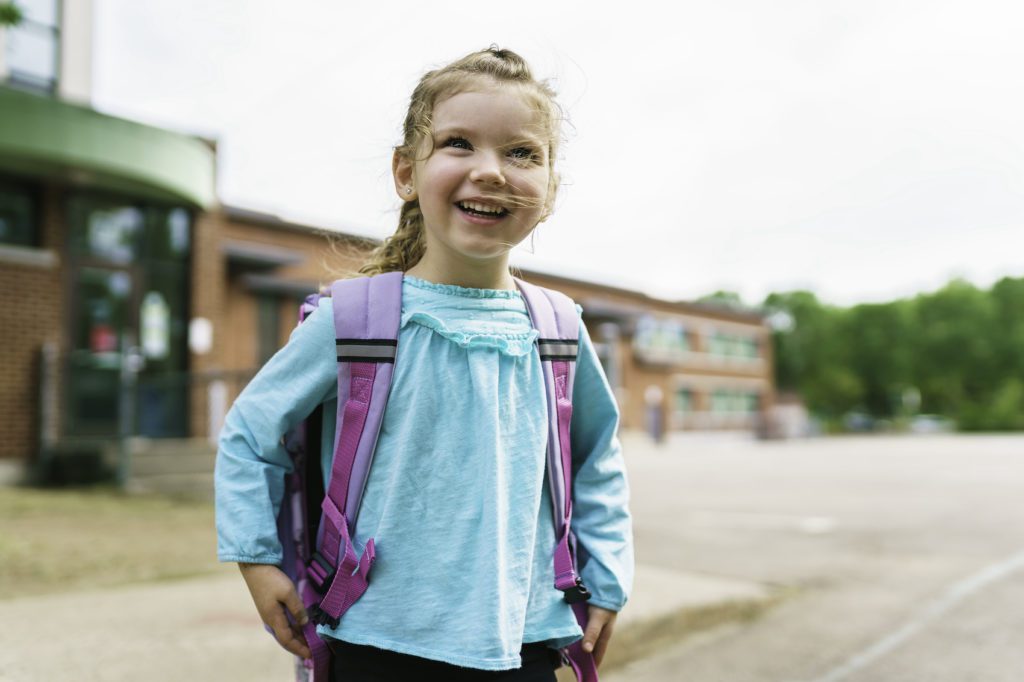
point(456, 482)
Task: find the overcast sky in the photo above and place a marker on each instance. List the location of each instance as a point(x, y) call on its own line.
point(863, 149)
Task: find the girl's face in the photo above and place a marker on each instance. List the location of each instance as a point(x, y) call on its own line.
point(484, 186)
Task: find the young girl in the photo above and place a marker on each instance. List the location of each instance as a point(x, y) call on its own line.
point(462, 588)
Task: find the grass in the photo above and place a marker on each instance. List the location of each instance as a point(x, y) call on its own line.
point(59, 540)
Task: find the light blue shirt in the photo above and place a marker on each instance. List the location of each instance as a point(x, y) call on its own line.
point(456, 499)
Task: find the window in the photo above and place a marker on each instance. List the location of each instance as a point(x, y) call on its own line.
point(735, 401)
point(269, 322)
point(34, 45)
point(684, 400)
point(727, 345)
point(17, 215)
point(660, 339)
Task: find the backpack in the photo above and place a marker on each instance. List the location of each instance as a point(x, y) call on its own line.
point(315, 526)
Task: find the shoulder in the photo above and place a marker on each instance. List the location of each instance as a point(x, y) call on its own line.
point(540, 298)
point(317, 325)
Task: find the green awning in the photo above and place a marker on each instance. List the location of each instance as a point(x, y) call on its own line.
point(45, 137)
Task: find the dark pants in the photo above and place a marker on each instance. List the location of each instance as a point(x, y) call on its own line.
point(357, 663)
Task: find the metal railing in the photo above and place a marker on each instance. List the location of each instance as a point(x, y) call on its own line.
point(102, 409)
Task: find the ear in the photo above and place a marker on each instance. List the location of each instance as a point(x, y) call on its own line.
point(402, 171)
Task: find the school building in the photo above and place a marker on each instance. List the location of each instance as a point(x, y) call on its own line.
point(134, 306)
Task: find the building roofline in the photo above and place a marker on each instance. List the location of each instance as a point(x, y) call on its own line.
point(642, 298)
point(42, 136)
point(264, 219)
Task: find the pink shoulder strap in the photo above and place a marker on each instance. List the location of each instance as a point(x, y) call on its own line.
point(367, 313)
point(554, 316)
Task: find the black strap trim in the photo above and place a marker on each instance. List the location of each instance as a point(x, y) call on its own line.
point(368, 342)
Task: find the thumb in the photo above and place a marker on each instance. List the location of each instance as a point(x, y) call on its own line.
point(295, 607)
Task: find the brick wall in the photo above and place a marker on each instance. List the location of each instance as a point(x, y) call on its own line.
point(221, 295)
point(31, 313)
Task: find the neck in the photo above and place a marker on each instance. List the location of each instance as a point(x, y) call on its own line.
point(474, 276)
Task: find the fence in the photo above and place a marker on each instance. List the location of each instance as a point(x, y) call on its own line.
point(94, 411)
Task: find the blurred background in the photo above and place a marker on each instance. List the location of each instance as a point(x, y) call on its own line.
point(795, 230)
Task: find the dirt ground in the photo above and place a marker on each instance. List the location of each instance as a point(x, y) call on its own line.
point(62, 540)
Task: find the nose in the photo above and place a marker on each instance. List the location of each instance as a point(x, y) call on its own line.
point(487, 170)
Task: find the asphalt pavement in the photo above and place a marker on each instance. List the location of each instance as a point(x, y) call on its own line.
point(207, 629)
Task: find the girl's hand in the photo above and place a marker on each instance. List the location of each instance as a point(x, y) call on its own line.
point(274, 595)
point(599, 630)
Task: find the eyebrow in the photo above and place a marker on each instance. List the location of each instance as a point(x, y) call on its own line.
point(459, 130)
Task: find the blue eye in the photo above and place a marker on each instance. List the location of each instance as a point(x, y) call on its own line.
point(523, 154)
point(457, 143)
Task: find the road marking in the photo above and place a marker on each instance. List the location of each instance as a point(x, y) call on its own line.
point(817, 525)
point(956, 594)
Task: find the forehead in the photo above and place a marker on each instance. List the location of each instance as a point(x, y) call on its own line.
point(502, 112)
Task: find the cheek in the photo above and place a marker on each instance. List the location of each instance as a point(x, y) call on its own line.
point(535, 185)
point(444, 175)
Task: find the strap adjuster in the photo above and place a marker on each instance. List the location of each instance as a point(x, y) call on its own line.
point(321, 617)
point(576, 593)
point(320, 583)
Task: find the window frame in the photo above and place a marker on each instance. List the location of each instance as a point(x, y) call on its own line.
point(27, 81)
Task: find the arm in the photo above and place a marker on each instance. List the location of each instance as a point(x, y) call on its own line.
point(252, 463)
point(601, 520)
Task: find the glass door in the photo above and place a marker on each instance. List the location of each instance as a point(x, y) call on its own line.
point(129, 293)
point(103, 321)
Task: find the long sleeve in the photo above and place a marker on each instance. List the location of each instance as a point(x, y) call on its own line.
point(601, 519)
point(251, 461)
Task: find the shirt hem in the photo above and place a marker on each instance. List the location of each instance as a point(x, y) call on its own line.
point(556, 640)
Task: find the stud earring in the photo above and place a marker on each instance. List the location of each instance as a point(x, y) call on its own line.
point(408, 190)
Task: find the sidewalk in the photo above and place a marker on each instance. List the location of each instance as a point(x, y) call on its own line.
point(206, 629)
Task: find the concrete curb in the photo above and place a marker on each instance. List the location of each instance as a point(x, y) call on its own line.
point(667, 605)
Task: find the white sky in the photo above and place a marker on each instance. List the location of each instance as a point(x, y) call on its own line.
point(863, 149)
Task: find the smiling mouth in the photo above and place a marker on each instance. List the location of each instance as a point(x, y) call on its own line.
point(482, 210)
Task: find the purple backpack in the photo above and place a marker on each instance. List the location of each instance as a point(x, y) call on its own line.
point(315, 528)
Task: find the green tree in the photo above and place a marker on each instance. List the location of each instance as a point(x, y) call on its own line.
point(726, 299)
point(812, 356)
point(1008, 301)
point(11, 14)
point(961, 347)
point(877, 336)
point(954, 348)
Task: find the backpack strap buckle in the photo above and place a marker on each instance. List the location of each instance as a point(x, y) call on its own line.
point(577, 593)
point(321, 617)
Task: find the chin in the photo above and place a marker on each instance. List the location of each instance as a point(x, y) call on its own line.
point(484, 252)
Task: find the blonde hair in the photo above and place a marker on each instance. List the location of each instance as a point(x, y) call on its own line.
point(405, 247)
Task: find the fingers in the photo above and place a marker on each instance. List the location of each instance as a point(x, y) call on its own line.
point(595, 624)
point(275, 598)
point(600, 624)
point(602, 642)
point(288, 636)
point(293, 603)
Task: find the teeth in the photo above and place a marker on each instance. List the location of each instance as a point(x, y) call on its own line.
point(481, 208)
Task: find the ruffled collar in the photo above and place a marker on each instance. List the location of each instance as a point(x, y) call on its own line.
point(494, 319)
point(455, 290)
